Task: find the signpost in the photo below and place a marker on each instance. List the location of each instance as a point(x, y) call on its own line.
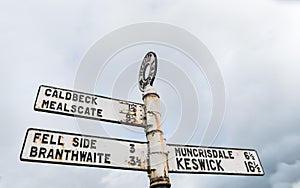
point(154, 156)
point(213, 160)
point(82, 150)
point(79, 104)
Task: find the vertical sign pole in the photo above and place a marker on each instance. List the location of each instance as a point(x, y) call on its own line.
point(158, 170)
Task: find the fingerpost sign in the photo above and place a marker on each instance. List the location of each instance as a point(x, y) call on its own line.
point(155, 156)
point(213, 160)
point(83, 150)
point(79, 104)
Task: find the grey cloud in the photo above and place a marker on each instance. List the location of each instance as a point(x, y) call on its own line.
point(286, 175)
point(256, 45)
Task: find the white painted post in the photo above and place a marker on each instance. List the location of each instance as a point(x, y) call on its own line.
point(158, 172)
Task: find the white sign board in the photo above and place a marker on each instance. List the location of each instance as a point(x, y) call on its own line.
point(75, 149)
point(209, 160)
point(79, 104)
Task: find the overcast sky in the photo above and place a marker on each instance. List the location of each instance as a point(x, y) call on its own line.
point(255, 44)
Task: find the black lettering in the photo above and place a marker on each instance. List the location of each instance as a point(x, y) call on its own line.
point(36, 136)
point(230, 155)
point(60, 95)
point(183, 152)
point(187, 163)
point(195, 165)
point(81, 98)
point(207, 164)
point(87, 99)
point(52, 105)
point(60, 143)
point(81, 142)
point(50, 154)
point(67, 151)
point(59, 154)
point(201, 164)
point(86, 143)
point(51, 140)
point(45, 103)
point(74, 155)
point(93, 111)
point(220, 168)
point(132, 107)
point(177, 152)
point(93, 144)
point(179, 165)
point(45, 138)
point(87, 111)
point(47, 92)
point(201, 153)
point(65, 108)
point(215, 153)
point(42, 152)
point(95, 156)
point(211, 164)
point(59, 106)
point(99, 112)
point(73, 108)
point(100, 157)
point(209, 153)
point(132, 148)
point(94, 100)
point(189, 152)
point(107, 158)
point(89, 157)
point(75, 142)
point(220, 154)
point(225, 156)
point(54, 94)
point(68, 96)
point(80, 109)
point(82, 156)
point(132, 160)
point(33, 151)
point(75, 97)
point(195, 153)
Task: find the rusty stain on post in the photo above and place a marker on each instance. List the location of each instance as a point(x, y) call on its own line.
point(158, 165)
